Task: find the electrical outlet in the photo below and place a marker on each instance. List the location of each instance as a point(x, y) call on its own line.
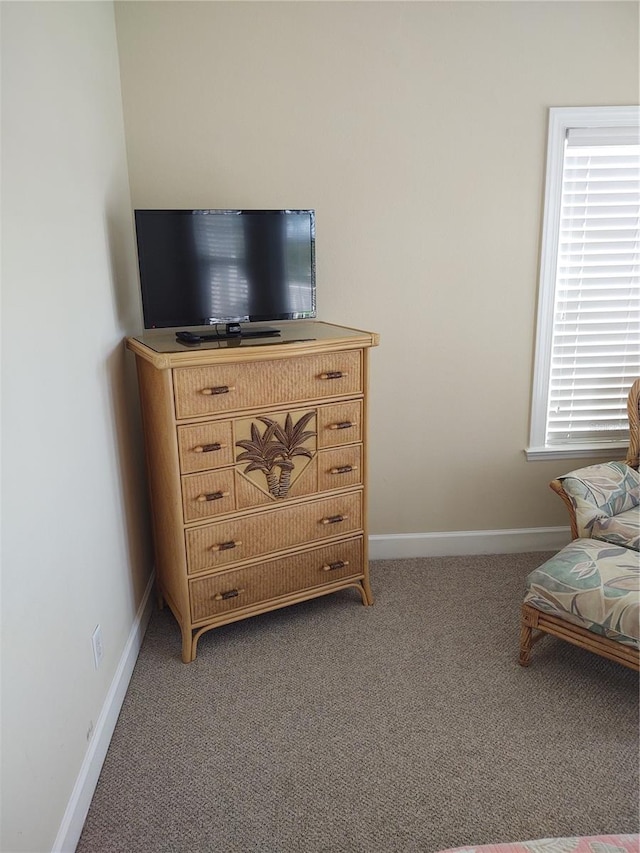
point(98, 647)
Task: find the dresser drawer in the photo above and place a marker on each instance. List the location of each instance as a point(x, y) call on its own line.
point(205, 446)
point(226, 591)
point(233, 387)
point(340, 468)
point(340, 424)
point(206, 495)
point(240, 539)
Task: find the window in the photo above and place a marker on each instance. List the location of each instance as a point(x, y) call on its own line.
point(588, 335)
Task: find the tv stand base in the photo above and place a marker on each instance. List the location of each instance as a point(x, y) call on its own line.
point(233, 331)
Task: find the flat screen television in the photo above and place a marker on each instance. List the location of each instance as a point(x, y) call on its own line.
point(207, 267)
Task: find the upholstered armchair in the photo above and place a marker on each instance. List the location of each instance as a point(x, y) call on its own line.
point(604, 500)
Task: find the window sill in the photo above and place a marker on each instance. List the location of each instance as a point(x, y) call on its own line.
point(610, 452)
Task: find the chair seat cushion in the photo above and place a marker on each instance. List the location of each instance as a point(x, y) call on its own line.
point(622, 529)
point(593, 584)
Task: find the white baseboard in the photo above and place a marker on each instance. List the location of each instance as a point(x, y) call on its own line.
point(398, 546)
point(80, 800)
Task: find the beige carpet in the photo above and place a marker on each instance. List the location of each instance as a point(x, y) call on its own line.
point(406, 726)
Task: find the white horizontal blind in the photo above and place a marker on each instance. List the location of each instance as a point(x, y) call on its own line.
point(596, 330)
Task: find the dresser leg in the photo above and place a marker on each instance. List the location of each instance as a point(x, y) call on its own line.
point(188, 646)
point(367, 595)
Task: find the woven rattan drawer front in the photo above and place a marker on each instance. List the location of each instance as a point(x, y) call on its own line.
point(340, 467)
point(234, 387)
point(340, 424)
point(205, 446)
point(206, 495)
point(220, 593)
point(272, 530)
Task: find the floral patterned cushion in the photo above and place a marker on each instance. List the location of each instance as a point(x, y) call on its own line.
point(592, 584)
point(622, 529)
point(600, 492)
point(584, 844)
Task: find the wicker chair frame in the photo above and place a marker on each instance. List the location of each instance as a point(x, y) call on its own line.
point(536, 624)
point(633, 408)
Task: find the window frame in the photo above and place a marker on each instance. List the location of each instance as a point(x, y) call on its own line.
point(561, 119)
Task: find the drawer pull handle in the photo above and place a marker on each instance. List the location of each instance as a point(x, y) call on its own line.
point(212, 496)
point(208, 448)
point(218, 389)
point(342, 425)
point(333, 374)
point(344, 469)
point(232, 593)
point(334, 519)
point(226, 546)
point(331, 567)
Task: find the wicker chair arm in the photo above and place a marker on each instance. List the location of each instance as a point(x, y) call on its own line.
point(633, 409)
point(556, 486)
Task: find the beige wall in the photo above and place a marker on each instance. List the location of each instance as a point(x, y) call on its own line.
point(74, 531)
point(418, 132)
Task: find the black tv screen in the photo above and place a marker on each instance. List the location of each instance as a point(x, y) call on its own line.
point(201, 267)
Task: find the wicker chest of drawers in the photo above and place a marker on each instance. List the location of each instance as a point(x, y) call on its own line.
point(257, 470)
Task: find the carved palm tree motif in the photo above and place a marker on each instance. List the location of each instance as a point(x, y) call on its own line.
point(273, 450)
